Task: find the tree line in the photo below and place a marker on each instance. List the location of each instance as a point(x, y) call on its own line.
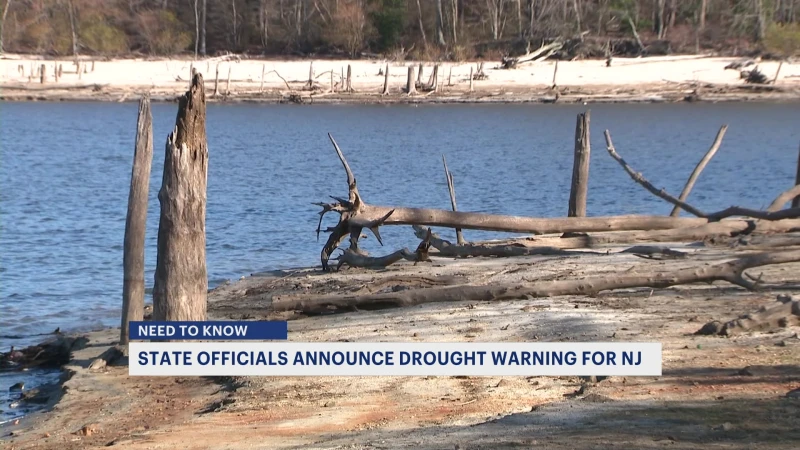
point(441, 29)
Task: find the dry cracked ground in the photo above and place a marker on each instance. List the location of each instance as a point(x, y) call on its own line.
point(715, 392)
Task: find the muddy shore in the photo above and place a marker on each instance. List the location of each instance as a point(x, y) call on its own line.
point(720, 391)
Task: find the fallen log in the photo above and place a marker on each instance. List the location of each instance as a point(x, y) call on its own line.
point(730, 271)
point(356, 215)
point(710, 231)
point(448, 249)
point(540, 54)
point(785, 313)
point(354, 259)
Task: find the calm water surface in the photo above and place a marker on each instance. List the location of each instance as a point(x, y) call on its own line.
point(65, 174)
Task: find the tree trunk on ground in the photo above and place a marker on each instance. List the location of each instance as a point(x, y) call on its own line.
point(580, 169)
point(181, 280)
point(356, 214)
point(136, 222)
point(698, 169)
point(731, 271)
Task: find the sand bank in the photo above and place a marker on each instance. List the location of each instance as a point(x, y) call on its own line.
point(653, 79)
point(728, 392)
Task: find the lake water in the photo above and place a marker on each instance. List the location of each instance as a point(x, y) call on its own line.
point(65, 175)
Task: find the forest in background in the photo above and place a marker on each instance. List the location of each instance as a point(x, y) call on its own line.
point(433, 29)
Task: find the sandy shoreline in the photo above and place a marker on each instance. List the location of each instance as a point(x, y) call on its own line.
point(653, 79)
point(721, 391)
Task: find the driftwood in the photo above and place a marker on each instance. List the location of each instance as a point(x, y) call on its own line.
point(356, 215)
point(181, 280)
point(448, 249)
point(540, 54)
point(354, 259)
point(108, 357)
point(780, 315)
point(729, 271)
point(699, 168)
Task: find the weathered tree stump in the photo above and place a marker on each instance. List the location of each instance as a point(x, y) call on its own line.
point(796, 200)
point(43, 74)
point(411, 87)
point(349, 79)
point(136, 222)
point(216, 81)
point(228, 84)
point(181, 280)
point(386, 81)
point(580, 169)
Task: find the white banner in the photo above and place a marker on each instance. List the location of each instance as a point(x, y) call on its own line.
point(393, 359)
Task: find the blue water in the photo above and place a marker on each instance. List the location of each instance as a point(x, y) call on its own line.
point(65, 175)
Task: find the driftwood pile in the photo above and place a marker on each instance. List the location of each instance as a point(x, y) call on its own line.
point(576, 232)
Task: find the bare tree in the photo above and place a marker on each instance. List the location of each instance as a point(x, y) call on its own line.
point(439, 24)
point(3, 24)
point(204, 12)
point(196, 29)
point(421, 26)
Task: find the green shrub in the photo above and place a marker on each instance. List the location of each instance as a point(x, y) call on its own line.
point(163, 33)
point(783, 39)
point(99, 36)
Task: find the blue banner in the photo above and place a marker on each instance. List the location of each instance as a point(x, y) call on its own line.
point(209, 331)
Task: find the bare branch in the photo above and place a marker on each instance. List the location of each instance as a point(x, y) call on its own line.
point(699, 168)
point(639, 178)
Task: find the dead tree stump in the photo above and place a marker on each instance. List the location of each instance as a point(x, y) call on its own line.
point(43, 74)
point(310, 82)
point(411, 87)
point(434, 84)
point(228, 84)
point(181, 280)
point(796, 200)
point(136, 221)
point(60, 72)
point(263, 70)
point(386, 81)
point(216, 81)
point(349, 79)
point(580, 168)
point(470, 79)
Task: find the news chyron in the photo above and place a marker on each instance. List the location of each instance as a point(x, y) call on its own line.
point(262, 348)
